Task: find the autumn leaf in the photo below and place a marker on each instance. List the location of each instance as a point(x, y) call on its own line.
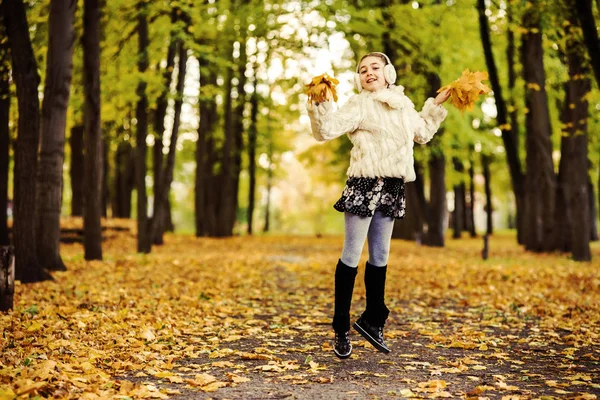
point(322, 88)
point(466, 90)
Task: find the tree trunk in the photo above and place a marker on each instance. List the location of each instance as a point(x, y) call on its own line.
point(489, 209)
point(159, 123)
point(593, 213)
point(105, 178)
point(267, 226)
point(411, 226)
point(59, 68)
point(252, 134)
point(141, 113)
point(471, 203)
point(437, 177)
point(563, 213)
point(509, 133)
point(205, 153)
point(24, 72)
point(4, 135)
point(437, 200)
point(7, 278)
point(459, 214)
point(575, 184)
point(92, 233)
point(585, 14)
point(161, 210)
point(124, 180)
point(540, 178)
point(77, 170)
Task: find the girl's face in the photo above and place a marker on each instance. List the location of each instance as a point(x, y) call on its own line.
point(370, 71)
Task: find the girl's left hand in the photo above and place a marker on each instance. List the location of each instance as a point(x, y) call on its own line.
point(442, 97)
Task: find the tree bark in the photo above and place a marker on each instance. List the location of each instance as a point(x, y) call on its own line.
point(267, 225)
point(144, 243)
point(205, 153)
point(540, 177)
point(585, 14)
point(4, 134)
point(77, 170)
point(92, 238)
point(575, 154)
point(509, 133)
point(59, 68)
point(437, 200)
point(437, 175)
point(7, 278)
point(159, 121)
point(105, 178)
point(24, 68)
point(124, 180)
point(471, 203)
point(485, 161)
point(161, 210)
point(593, 212)
point(252, 135)
point(459, 213)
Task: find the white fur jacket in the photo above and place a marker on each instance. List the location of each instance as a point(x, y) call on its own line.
point(382, 127)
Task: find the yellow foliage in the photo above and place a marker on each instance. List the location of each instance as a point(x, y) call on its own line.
point(466, 90)
point(322, 88)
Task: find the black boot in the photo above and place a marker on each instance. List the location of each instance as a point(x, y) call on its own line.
point(370, 324)
point(344, 285)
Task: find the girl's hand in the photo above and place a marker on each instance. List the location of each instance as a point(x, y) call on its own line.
point(442, 97)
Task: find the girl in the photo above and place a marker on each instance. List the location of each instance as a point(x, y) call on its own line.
point(382, 124)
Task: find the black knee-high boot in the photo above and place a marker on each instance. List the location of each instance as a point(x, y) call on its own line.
point(370, 324)
point(376, 311)
point(344, 285)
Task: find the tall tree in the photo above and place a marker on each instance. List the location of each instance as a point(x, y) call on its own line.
point(59, 67)
point(77, 170)
point(585, 14)
point(509, 133)
point(158, 222)
point(124, 179)
point(26, 78)
point(471, 204)
point(485, 162)
point(460, 203)
point(252, 136)
point(205, 189)
point(437, 177)
point(144, 243)
point(540, 178)
point(573, 174)
point(159, 121)
point(92, 235)
point(4, 134)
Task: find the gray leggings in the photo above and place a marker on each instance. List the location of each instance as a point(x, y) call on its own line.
point(377, 229)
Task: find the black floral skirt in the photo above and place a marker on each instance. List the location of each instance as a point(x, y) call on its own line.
point(364, 196)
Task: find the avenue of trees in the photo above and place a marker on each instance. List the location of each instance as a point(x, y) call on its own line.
point(126, 94)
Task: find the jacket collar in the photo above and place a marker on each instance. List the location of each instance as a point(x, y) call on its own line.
point(393, 96)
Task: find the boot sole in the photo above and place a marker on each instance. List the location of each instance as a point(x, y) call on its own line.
point(370, 339)
point(343, 356)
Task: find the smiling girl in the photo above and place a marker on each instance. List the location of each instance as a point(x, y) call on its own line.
point(382, 124)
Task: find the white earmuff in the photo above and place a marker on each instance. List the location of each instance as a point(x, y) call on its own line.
point(389, 74)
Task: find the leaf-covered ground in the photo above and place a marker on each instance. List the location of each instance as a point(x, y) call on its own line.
point(248, 318)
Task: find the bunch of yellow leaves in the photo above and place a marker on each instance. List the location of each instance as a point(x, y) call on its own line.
point(466, 90)
point(322, 88)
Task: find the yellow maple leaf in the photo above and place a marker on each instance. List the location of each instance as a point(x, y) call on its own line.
point(322, 88)
point(466, 90)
